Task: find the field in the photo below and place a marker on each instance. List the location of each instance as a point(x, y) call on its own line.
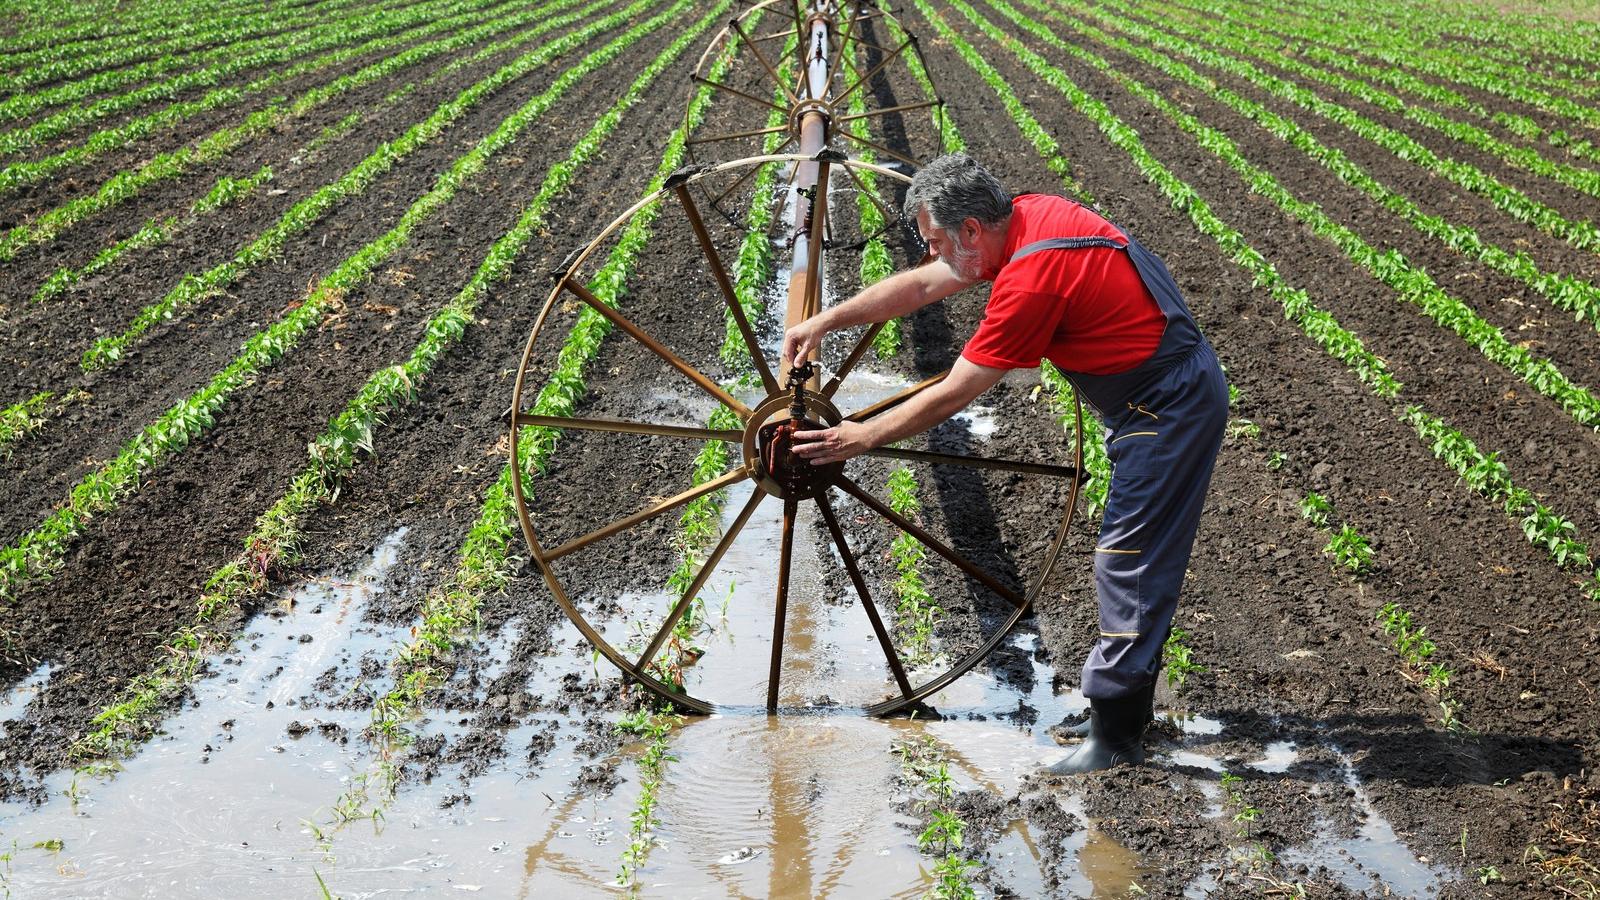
point(269, 627)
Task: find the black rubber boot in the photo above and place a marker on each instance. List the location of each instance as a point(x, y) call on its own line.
point(1116, 736)
point(1080, 730)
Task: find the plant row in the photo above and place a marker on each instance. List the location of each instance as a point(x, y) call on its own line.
point(1249, 41)
point(1411, 642)
point(305, 214)
point(1412, 283)
point(38, 552)
point(153, 233)
point(1543, 528)
point(21, 419)
point(1400, 50)
point(57, 61)
point(699, 525)
point(925, 768)
point(23, 104)
point(1376, 25)
point(483, 564)
point(654, 727)
point(1583, 234)
point(338, 33)
point(173, 164)
point(25, 172)
point(279, 533)
point(1334, 50)
point(876, 263)
point(1574, 295)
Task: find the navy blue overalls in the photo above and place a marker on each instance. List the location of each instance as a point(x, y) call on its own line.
point(1164, 423)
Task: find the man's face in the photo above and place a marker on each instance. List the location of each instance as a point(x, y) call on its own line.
point(958, 252)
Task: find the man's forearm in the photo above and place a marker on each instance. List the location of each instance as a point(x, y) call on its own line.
point(894, 296)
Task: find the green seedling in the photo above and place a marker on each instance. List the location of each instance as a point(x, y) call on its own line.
point(1276, 459)
point(1178, 659)
point(1316, 509)
point(1349, 549)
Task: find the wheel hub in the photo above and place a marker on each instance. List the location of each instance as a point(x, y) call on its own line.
point(769, 440)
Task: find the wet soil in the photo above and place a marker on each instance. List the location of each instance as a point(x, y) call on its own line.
point(1356, 787)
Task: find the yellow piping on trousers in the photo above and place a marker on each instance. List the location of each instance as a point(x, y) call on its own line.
point(1136, 434)
point(1119, 634)
point(1111, 550)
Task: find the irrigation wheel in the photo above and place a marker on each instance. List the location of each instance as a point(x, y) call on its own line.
point(759, 463)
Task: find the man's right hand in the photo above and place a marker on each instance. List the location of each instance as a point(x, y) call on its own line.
point(801, 340)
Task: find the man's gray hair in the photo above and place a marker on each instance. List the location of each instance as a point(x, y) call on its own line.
point(955, 188)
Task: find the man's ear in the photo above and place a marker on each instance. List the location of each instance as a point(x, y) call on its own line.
point(972, 229)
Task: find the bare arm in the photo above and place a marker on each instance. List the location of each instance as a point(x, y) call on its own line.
point(894, 296)
point(849, 439)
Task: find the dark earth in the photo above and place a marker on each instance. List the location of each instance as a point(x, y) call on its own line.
point(1291, 648)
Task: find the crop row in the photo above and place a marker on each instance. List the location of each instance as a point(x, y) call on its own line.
point(305, 214)
point(1250, 42)
point(38, 552)
point(153, 233)
point(1566, 292)
point(1383, 22)
point(348, 34)
point(432, 20)
point(57, 61)
point(699, 525)
point(1412, 283)
point(274, 543)
point(24, 104)
point(1453, 66)
point(482, 565)
point(1584, 235)
point(1333, 49)
point(925, 769)
point(1337, 341)
point(20, 419)
point(165, 166)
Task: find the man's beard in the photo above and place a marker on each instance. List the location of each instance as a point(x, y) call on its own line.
point(964, 262)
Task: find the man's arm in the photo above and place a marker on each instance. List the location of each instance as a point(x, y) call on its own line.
point(894, 296)
point(849, 439)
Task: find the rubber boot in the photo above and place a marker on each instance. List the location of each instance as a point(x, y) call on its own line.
point(1116, 737)
point(1080, 730)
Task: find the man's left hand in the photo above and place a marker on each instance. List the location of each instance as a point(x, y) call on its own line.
point(846, 440)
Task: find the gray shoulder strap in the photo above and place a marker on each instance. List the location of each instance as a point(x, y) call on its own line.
point(1068, 243)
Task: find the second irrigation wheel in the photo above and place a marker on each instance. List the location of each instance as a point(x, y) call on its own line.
point(681, 416)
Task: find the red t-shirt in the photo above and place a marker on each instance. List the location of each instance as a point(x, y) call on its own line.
point(1086, 310)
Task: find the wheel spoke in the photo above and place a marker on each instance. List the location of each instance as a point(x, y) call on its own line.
point(738, 93)
point(888, 403)
point(882, 63)
point(879, 148)
point(720, 273)
point(889, 652)
point(755, 50)
point(931, 542)
point(781, 612)
point(850, 361)
point(819, 219)
point(645, 515)
point(738, 135)
point(617, 319)
point(888, 215)
point(975, 462)
point(700, 577)
point(620, 426)
point(904, 107)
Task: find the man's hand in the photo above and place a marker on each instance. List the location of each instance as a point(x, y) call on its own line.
point(801, 340)
point(846, 440)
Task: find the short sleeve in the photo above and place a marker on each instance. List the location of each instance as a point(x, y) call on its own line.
point(1017, 329)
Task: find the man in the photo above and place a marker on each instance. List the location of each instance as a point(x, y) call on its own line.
point(1074, 289)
